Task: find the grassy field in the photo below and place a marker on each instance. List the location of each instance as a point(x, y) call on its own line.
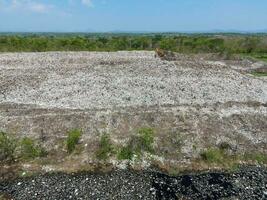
point(257, 56)
point(259, 74)
point(262, 57)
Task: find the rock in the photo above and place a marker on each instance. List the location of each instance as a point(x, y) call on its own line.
point(124, 184)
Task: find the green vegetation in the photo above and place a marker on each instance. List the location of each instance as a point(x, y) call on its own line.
point(7, 147)
point(220, 156)
point(262, 57)
point(196, 43)
point(142, 142)
point(29, 150)
point(24, 149)
point(260, 158)
point(146, 139)
point(105, 147)
point(259, 74)
point(214, 155)
point(73, 139)
point(125, 153)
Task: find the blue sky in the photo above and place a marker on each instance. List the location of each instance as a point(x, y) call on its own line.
point(132, 15)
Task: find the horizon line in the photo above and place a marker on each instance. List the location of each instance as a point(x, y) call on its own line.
point(162, 32)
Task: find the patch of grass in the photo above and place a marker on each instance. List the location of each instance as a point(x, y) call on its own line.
point(7, 147)
point(257, 56)
point(213, 155)
point(262, 57)
point(105, 147)
point(146, 139)
point(142, 142)
point(30, 150)
point(125, 153)
point(73, 139)
point(259, 74)
point(220, 157)
point(260, 158)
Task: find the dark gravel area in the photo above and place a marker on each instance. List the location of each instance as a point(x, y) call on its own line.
point(247, 183)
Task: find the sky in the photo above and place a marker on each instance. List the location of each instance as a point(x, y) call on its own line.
point(132, 15)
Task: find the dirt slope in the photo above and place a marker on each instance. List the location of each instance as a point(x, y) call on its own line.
point(200, 103)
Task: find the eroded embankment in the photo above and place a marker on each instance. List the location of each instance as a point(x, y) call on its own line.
point(193, 114)
point(180, 133)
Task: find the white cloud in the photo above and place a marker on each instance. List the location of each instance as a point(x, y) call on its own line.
point(38, 7)
point(87, 3)
point(26, 5)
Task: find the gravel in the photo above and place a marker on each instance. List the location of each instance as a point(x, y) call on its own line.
point(88, 80)
point(247, 183)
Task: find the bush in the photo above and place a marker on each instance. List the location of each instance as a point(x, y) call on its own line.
point(73, 139)
point(105, 148)
point(146, 138)
point(143, 142)
point(213, 155)
point(7, 147)
point(126, 153)
point(29, 150)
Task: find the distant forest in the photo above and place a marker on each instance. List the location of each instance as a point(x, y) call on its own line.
point(194, 43)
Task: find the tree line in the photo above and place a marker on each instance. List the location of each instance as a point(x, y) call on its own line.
point(182, 44)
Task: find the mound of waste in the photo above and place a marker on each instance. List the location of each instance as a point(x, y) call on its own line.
point(191, 103)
